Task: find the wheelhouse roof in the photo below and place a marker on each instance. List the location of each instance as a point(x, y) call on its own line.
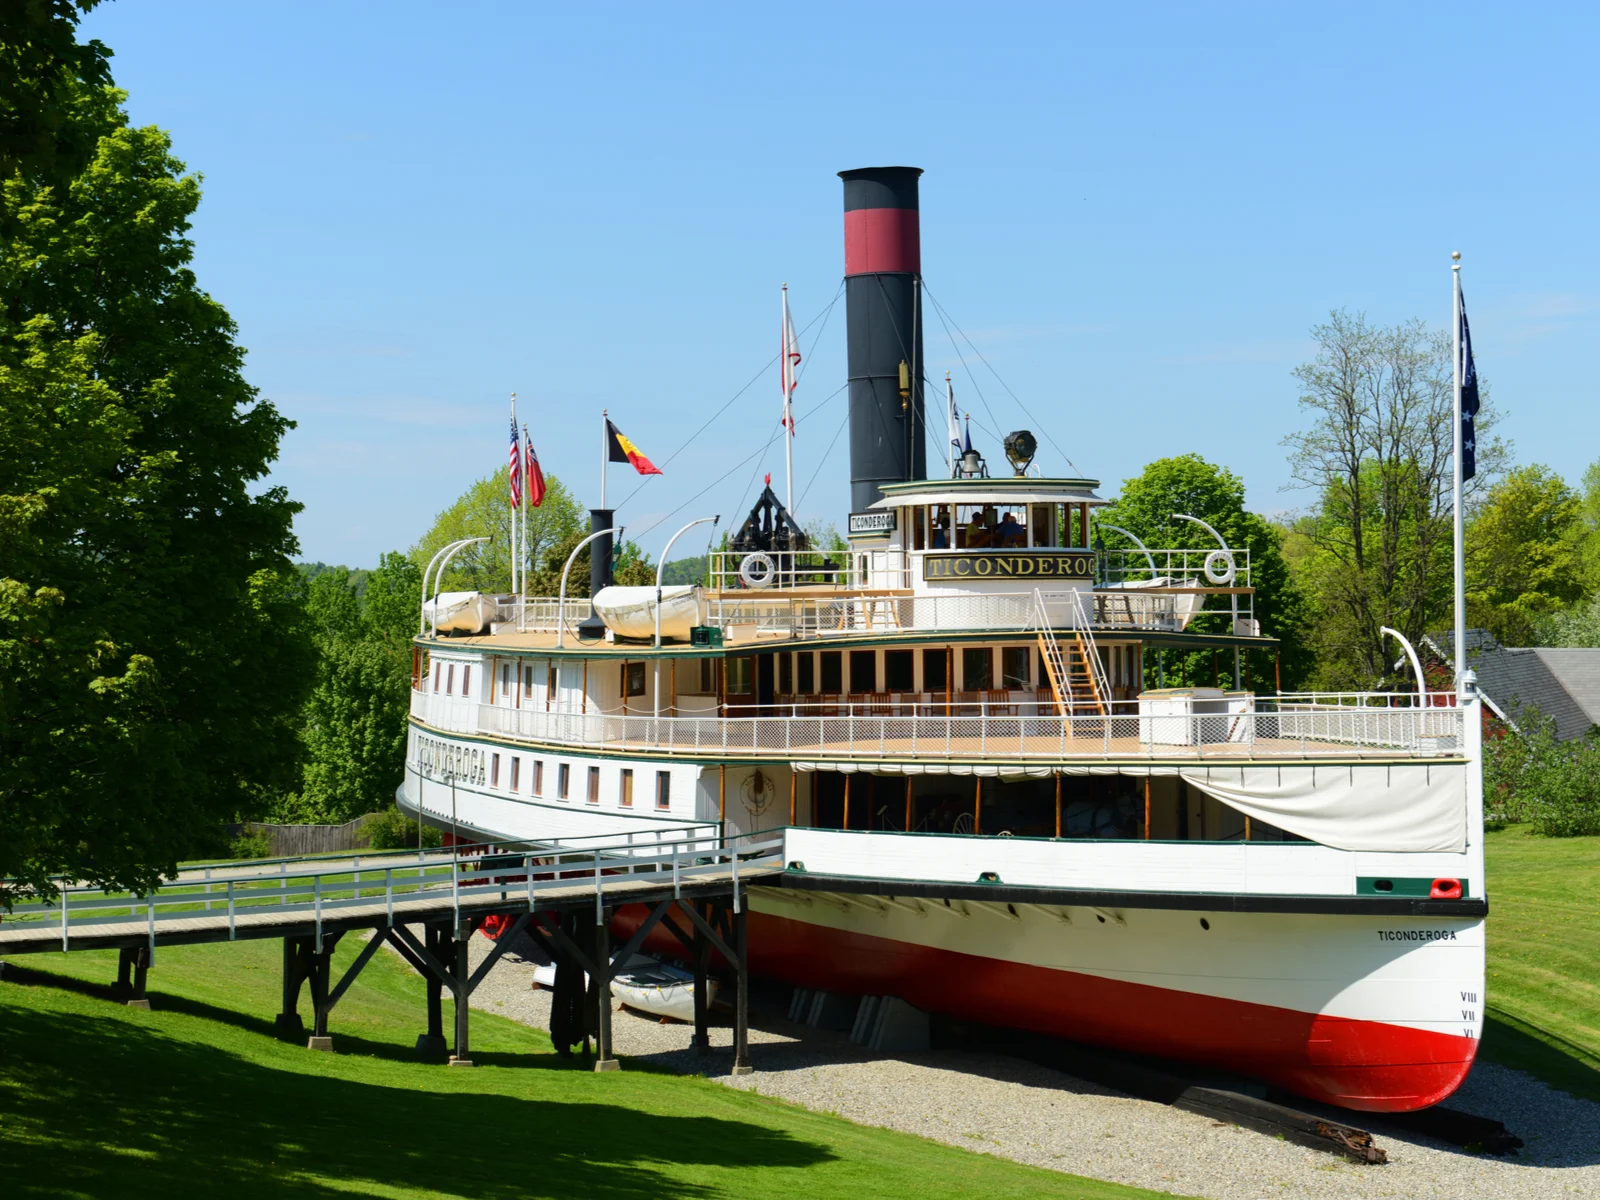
point(1012, 490)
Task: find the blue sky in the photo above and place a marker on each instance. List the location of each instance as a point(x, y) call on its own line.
point(1135, 212)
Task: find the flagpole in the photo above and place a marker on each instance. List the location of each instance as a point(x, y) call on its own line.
point(512, 498)
point(788, 410)
point(522, 557)
point(1460, 538)
point(605, 454)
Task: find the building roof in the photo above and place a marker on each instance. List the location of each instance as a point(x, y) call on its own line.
point(1560, 683)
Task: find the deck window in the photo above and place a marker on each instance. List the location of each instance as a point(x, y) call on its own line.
point(977, 668)
point(934, 676)
point(593, 794)
point(437, 669)
point(863, 670)
point(1043, 534)
point(940, 521)
point(663, 789)
point(505, 682)
point(805, 673)
point(564, 781)
point(466, 680)
point(832, 672)
point(633, 679)
point(538, 777)
point(1016, 667)
point(740, 676)
point(919, 527)
point(899, 670)
point(494, 770)
point(450, 680)
point(625, 788)
point(786, 674)
point(551, 683)
point(516, 772)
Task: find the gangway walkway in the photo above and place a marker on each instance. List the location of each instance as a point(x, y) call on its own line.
point(539, 888)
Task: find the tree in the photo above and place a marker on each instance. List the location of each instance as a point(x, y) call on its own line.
point(354, 722)
point(43, 67)
point(1377, 455)
point(1522, 555)
point(1587, 532)
point(152, 649)
point(1191, 485)
point(485, 509)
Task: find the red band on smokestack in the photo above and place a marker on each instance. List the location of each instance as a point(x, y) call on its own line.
point(882, 239)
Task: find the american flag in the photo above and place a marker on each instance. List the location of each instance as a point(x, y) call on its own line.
point(515, 470)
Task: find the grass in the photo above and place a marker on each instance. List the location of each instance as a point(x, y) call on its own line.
point(196, 1097)
point(1544, 957)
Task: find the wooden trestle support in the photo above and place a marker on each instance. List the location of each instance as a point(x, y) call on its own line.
point(440, 957)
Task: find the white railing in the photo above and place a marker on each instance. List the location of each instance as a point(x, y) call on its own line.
point(797, 615)
point(1176, 568)
point(984, 728)
point(538, 613)
point(400, 885)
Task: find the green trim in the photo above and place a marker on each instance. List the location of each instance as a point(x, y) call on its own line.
point(1368, 885)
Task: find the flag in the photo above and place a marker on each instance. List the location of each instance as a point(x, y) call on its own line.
point(1469, 401)
point(535, 475)
point(953, 423)
point(622, 450)
point(515, 468)
point(789, 358)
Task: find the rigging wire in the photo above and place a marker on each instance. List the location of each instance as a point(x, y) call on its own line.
point(826, 454)
point(1042, 427)
point(767, 366)
point(816, 408)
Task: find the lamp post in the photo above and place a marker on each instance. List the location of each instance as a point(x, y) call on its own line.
point(561, 598)
point(660, 567)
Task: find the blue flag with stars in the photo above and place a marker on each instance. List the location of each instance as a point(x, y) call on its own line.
point(1469, 401)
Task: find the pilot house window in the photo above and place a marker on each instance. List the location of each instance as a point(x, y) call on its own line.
point(977, 668)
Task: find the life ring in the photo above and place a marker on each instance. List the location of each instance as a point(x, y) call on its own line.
point(1219, 568)
point(757, 570)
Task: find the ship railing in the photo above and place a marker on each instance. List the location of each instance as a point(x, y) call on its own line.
point(1207, 568)
point(797, 615)
point(983, 729)
point(539, 614)
point(396, 886)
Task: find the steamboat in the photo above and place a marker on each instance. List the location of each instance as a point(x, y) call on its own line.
point(990, 806)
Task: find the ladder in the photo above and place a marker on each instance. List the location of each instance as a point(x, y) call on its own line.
point(1077, 676)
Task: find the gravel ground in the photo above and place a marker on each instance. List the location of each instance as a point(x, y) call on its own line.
point(1003, 1106)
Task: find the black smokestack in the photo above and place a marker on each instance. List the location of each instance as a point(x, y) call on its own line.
point(883, 272)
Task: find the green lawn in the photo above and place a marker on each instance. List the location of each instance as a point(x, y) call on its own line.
point(1544, 957)
point(197, 1098)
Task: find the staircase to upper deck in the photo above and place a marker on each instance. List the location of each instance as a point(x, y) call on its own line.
point(1077, 676)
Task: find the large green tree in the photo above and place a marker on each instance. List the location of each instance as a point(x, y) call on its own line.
point(483, 510)
point(1375, 550)
point(1189, 484)
point(151, 642)
point(354, 722)
point(1522, 563)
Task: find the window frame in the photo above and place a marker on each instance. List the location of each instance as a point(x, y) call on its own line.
point(625, 788)
point(663, 790)
point(591, 792)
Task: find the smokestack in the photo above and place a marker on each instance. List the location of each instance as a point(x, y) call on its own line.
point(883, 279)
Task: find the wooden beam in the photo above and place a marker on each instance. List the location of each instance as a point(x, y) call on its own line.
point(977, 807)
point(847, 799)
point(909, 813)
point(722, 796)
point(1058, 803)
point(794, 794)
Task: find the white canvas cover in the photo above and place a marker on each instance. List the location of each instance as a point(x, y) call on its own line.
point(631, 611)
point(1401, 807)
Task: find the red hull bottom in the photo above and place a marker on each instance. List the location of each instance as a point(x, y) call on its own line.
point(1366, 1065)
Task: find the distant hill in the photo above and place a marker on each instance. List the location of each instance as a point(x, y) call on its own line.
point(685, 570)
point(357, 575)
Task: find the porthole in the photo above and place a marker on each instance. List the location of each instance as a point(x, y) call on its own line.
point(1204, 924)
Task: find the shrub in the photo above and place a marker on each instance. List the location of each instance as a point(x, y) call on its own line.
point(391, 829)
point(251, 844)
point(1553, 785)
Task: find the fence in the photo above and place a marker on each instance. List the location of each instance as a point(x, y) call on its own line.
point(288, 841)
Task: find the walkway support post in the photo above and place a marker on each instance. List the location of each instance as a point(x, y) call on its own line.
point(461, 989)
point(132, 964)
point(702, 952)
point(603, 1058)
point(741, 1002)
point(288, 1023)
point(432, 1042)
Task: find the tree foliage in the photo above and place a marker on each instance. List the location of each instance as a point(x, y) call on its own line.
point(1377, 549)
point(484, 510)
point(354, 722)
point(1522, 555)
point(151, 641)
point(1530, 776)
point(1191, 485)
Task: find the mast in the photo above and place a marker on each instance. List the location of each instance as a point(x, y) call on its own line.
point(786, 375)
point(516, 466)
point(1460, 547)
